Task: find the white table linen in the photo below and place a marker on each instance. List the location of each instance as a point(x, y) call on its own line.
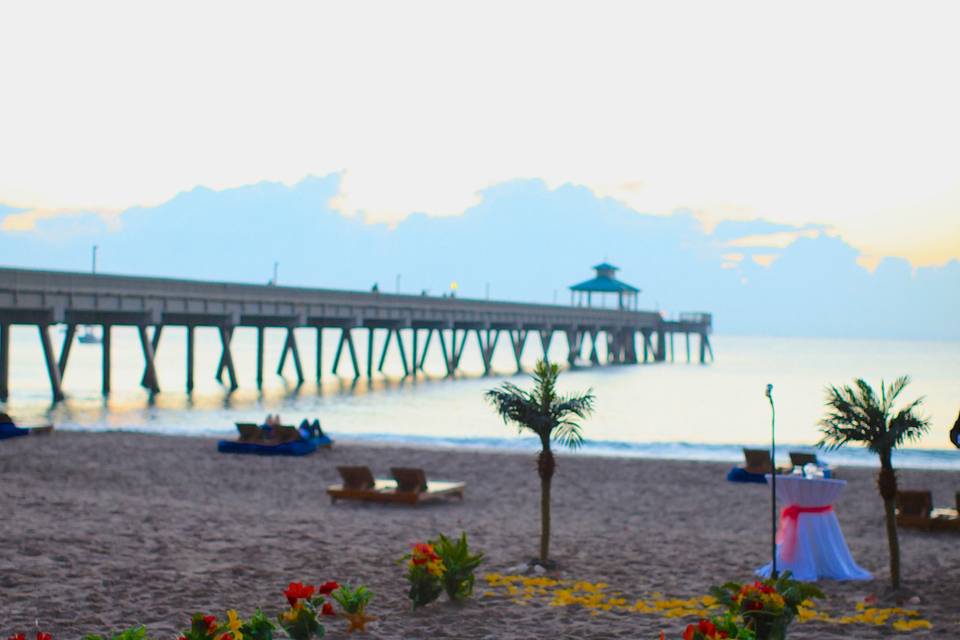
point(821, 550)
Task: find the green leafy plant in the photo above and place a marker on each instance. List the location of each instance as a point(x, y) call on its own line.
point(766, 607)
point(458, 579)
point(857, 414)
point(550, 416)
point(133, 633)
point(258, 627)
point(424, 573)
point(352, 600)
point(354, 604)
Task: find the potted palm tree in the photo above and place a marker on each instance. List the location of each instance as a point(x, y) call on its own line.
point(551, 417)
point(857, 415)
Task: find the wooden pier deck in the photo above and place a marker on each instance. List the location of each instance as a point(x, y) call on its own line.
point(46, 298)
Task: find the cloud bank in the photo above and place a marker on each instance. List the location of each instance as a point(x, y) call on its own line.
point(522, 241)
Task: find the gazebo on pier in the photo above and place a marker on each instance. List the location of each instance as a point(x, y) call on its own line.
point(605, 282)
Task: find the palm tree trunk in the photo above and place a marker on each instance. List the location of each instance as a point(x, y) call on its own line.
point(545, 466)
point(544, 520)
point(887, 484)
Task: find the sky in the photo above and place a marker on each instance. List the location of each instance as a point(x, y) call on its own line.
point(840, 115)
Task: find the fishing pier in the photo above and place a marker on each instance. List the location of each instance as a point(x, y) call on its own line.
point(411, 324)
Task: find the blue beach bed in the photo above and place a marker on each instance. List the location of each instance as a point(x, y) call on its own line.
point(10, 430)
point(295, 448)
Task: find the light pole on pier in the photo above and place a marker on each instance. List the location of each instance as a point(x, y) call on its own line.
point(94, 268)
point(276, 266)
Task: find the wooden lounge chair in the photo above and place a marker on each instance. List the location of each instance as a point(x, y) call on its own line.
point(249, 432)
point(286, 433)
point(758, 461)
point(915, 510)
point(408, 486)
point(800, 458)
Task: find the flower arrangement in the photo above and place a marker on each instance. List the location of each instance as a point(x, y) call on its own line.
point(719, 627)
point(441, 565)
point(307, 603)
point(766, 607)
point(424, 571)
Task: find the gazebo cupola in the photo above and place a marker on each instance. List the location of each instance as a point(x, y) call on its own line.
point(603, 284)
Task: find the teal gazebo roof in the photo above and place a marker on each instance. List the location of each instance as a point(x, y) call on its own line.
point(605, 282)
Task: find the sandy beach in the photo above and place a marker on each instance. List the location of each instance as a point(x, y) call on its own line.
point(103, 531)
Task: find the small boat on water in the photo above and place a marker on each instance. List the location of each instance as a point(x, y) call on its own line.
point(89, 336)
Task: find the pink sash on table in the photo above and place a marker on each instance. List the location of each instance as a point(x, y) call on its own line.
point(787, 536)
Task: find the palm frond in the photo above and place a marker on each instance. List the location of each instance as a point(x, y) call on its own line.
point(567, 433)
point(856, 415)
point(519, 407)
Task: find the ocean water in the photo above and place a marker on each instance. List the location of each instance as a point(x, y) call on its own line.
point(666, 410)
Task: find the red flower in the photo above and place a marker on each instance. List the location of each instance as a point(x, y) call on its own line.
point(327, 609)
point(227, 636)
point(328, 587)
point(211, 622)
point(297, 591)
point(44, 636)
point(19, 636)
point(182, 638)
point(707, 628)
point(688, 633)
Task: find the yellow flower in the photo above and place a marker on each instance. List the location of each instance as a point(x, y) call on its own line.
point(234, 623)
point(436, 568)
point(291, 615)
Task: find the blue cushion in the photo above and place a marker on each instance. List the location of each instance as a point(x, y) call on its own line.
point(739, 474)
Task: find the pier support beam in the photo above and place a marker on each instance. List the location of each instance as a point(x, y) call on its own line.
point(487, 347)
point(413, 359)
point(686, 334)
point(546, 338)
point(65, 349)
point(383, 354)
point(661, 353)
point(53, 369)
point(447, 357)
point(704, 347)
point(518, 339)
point(594, 355)
point(319, 354)
point(346, 338)
point(370, 336)
point(403, 353)
point(647, 347)
point(260, 332)
point(426, 345)
point(4, 361)
point(290, 346)
point(105, 352)
point(226, 359)
point(190, 354)
point(154, 343)
point(574, 345)
point(150, 371)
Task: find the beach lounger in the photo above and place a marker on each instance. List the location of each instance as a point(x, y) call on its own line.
point(756, 467)
point(9, 429)
point(249, 432)
point(915, 511)
point(408, 486)
point(281, 440)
